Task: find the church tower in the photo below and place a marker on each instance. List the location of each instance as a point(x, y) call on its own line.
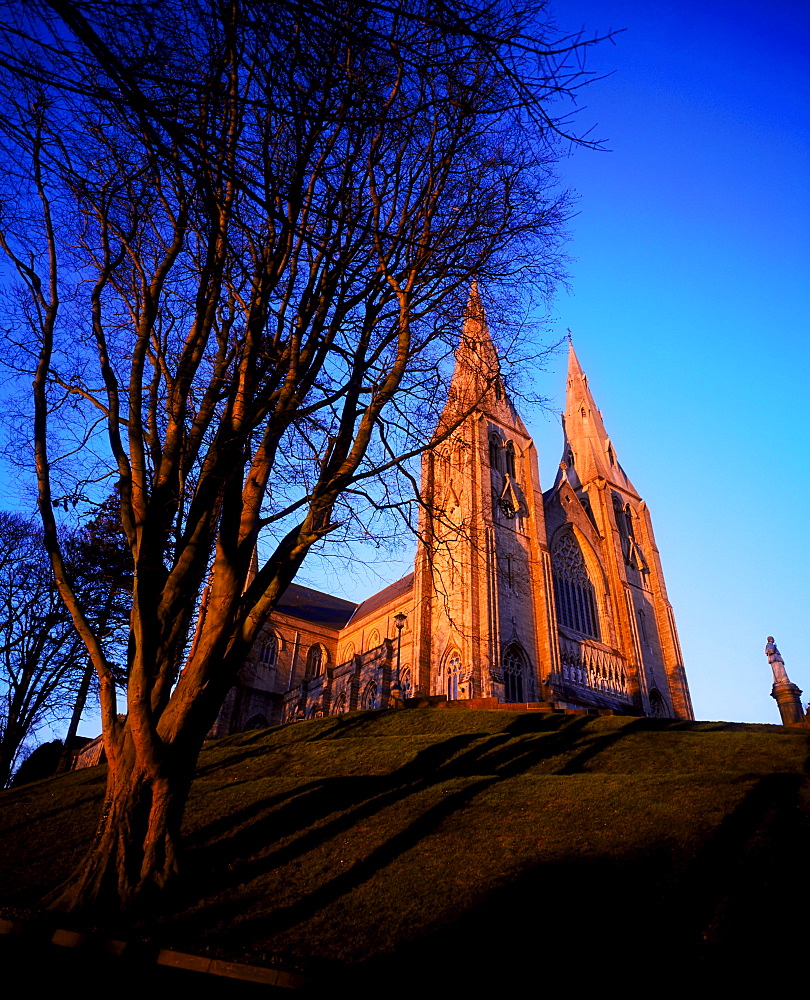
point(482, 588)
point(616, 630)
point(516, 595)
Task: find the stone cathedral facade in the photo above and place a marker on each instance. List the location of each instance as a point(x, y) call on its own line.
point(516, 594)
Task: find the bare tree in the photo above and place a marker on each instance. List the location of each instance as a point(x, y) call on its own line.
point(101, 570)
point(44, 675)
point(41, 656)
point(243, 245)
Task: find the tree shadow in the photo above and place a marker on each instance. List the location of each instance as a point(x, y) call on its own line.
point(19, 799)
point(331, 807)
point(730, 913)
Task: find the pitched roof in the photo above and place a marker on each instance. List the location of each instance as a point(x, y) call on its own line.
point(315, 606)
point(396, 590)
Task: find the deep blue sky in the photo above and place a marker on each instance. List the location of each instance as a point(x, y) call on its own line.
point(689, 310)
point(690, 282)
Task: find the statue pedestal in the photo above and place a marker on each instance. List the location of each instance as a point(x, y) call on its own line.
point(788, 698)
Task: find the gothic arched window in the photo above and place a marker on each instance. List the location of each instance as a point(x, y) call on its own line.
point(513, 667)
point(510, 460)
point(315, 660)
point(369, 699)
point(268, 650)
point(658, 707)
point(495, 452)
point(340, 704)
point(586, 506)
point(348, 653)
point(573, 590)
point(373, 640)
point(406, 681)
point(453, 670)
point(628, 520)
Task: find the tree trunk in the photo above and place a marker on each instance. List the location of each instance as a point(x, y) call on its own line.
point(6, 757)
point(134, 855)
point(75, 718)
point(10, 743)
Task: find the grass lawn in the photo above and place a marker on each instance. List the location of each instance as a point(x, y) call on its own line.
point(483, 846)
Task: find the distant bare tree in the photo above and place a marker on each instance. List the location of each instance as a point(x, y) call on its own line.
point(44, 678)
point(244, 238)
point(41, 655)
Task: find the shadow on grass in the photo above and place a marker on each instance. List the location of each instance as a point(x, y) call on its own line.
point(321, 811)
point(232, 751)
point(20, 800)
point(742, 889)
point(545, 914)
point(598, 744)
point(330, 807)
point(729, 913)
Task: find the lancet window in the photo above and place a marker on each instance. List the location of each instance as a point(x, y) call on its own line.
point(268, 651)
point(495, 452)
point(573, 590)
point(586, 506)
point(642, 627)
point(622, 525)
point(510, 459)
point(633, 556)
point(453, 670)
point(315, 660)
point(369, 699)
point(513, 670)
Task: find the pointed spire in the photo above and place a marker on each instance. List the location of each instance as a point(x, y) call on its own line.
point(476, 382)
point(586, 440)
point(476, 347)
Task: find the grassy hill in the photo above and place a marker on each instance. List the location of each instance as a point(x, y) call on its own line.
point(488, 848)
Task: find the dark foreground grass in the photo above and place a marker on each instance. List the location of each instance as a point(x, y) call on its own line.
point(483, 846)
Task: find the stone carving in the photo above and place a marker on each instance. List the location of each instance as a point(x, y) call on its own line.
point(587, 665)
point(777, 663)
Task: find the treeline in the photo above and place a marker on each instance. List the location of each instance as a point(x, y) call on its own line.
point(45, 675)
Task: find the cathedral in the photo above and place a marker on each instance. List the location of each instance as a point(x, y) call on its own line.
point(516, 595)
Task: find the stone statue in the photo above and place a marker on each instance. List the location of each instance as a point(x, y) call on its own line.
point(776, 662)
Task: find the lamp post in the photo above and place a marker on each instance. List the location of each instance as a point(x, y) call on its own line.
point(396, 687)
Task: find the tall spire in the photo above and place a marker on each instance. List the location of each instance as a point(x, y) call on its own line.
point(476, 383)
point(586, 440)
point(476, 356)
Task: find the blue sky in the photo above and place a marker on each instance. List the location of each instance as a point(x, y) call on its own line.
point(688, 308)
point(690, 278)
point(690, 283)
